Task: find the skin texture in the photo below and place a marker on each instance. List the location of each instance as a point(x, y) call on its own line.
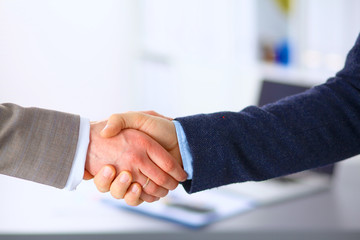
point(158, 127)
point(140, 157)
point(122, 189)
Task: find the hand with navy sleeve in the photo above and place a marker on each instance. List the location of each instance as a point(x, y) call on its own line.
point(312, 129)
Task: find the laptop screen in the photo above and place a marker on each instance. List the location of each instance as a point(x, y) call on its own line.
point(272, 91)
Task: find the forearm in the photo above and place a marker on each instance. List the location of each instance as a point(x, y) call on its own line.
point(36, 144)
point(316, 128)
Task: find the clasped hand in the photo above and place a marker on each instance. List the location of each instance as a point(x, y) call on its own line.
point(135, 156)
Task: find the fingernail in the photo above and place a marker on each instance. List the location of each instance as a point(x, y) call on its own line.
point(106, 126)
point(134, 189)
point(107, 172)
point(124, 177)
point(104, 129)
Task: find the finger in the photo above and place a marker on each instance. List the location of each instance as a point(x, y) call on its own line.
point(132, 196)
point(158, 176)
point(151, 188)
point(104, 178)
point(167, 163)
point(114, 125)
point(117, 122)
point(111, 130)
point(120, 185)
point(148, 198)
point(87, 175)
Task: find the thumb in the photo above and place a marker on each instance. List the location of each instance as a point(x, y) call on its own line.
point(110, 130)
point(160, 129)
point(118, 122)
point(153, 113)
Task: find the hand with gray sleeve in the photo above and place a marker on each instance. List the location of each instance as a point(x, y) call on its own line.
point(55, 149)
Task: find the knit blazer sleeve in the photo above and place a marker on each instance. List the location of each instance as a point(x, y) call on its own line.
point(312, 129)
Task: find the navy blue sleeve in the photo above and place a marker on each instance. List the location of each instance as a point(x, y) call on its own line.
point(316, 128)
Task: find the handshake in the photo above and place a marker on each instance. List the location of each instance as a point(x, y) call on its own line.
point(135, 156)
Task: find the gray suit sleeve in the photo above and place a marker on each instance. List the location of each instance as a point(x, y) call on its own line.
point(37, 144)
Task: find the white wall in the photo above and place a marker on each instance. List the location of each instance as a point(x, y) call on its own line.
point(203, 53)
point(73, 56)
point(325, 31)
point(180, 57)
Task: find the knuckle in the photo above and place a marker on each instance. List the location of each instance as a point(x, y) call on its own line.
point(169, 166)
point(156, 191)
point(151, 190)
point(112, 116)
point(162, 180)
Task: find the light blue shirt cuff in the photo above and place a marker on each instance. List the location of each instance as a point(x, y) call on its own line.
point(78, 165)
point(184, 150)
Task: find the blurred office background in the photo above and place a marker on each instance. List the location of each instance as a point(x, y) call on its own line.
point(95, 58)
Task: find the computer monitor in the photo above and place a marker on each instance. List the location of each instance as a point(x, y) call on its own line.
point(272, 91)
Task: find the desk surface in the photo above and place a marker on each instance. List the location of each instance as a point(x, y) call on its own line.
point(29, 208)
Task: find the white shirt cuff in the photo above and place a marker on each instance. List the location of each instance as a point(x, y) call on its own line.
point(78, 166)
